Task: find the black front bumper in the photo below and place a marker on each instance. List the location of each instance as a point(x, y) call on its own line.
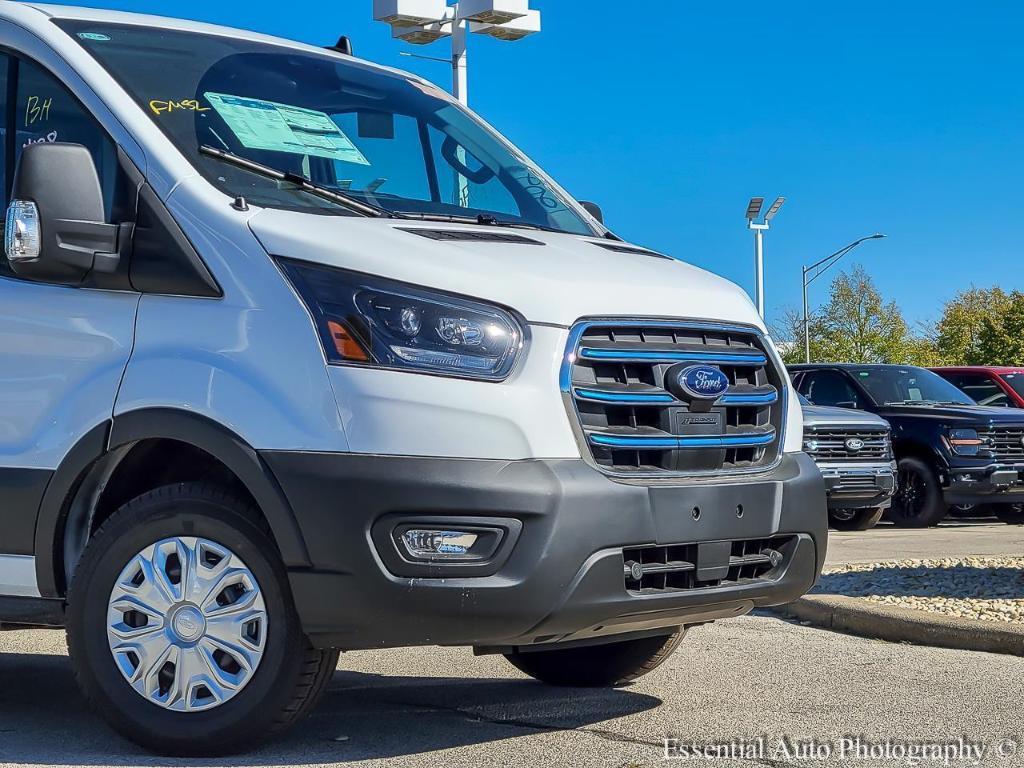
point(859, 486)
point(991, 484)
point(559, 576)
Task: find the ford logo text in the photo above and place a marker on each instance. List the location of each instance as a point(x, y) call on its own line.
point(703, 382)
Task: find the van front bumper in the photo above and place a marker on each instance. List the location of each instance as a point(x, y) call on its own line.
point(557, 571)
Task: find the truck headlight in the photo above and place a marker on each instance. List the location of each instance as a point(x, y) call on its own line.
point(366, 320)
point(965, 442)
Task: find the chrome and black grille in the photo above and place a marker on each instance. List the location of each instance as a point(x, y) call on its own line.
point(848, 445)
point(634, 422)
point(1005, 443)
point(652, 570)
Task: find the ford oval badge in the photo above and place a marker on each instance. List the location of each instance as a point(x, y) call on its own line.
point(703, 382)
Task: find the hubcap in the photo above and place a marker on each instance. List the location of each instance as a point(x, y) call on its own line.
point(187, 624)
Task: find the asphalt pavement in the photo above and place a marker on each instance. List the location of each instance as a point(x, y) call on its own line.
point(736, 680)
point(953, 538)
point(729, 685)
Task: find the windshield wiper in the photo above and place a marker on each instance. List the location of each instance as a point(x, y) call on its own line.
point(483, 219)
point(301, 182)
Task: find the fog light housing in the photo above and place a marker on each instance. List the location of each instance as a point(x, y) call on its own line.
point(436, 544)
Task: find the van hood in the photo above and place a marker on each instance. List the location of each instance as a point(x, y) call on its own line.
point(552, 278)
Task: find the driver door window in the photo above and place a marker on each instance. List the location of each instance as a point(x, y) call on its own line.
point(829, 389)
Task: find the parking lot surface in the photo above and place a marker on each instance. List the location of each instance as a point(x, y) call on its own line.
point(743, 678)
point(953, 538)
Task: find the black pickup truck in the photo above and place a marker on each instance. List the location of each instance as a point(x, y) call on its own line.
point(949, 450)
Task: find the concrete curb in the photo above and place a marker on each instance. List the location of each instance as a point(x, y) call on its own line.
point(857, 616)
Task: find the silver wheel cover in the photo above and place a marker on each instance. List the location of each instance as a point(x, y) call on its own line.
point(187, 624)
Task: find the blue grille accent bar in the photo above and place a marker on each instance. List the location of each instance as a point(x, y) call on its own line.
point(658, 442)
point(670, 356)
point(625, 398)
point(766, 398)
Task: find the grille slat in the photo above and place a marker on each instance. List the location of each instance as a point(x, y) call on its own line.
point(831, 444)
point(636, 423)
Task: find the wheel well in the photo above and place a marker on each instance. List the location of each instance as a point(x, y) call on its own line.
point(906, 449)
point(132, 471)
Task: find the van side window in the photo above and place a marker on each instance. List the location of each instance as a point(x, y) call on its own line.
point(46, 111)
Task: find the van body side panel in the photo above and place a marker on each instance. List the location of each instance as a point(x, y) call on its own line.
point(63, 353)
point(251, 360)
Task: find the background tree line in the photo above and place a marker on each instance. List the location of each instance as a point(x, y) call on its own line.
point(978, 326)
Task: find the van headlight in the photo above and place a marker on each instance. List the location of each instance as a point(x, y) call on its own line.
point(366, 320)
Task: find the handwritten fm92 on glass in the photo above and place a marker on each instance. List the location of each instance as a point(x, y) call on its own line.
point(339, 382)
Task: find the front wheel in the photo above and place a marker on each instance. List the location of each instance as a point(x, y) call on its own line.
point(181, 628)
point(598, 666)
point(855, 519)
point(918, 502)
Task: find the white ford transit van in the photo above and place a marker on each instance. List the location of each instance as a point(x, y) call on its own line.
point(297, 355)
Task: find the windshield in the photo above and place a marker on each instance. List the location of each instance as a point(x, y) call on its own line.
point(389, 141)
point(1016, 382)
point(888, 386)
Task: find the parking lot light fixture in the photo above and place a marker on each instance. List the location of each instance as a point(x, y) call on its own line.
point(422, 22)
point(816, 270)
point(759, 228)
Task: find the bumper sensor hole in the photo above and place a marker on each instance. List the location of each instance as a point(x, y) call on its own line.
point(739, 510)
point(695, 513)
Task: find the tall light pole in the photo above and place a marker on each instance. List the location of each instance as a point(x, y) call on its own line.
point(819, 268)
point(422, 22)
point(753, 212)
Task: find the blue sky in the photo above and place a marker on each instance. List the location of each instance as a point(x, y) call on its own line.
point(904, 118)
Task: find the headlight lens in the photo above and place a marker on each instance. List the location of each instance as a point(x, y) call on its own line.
point(965, 442)
point(372, 321)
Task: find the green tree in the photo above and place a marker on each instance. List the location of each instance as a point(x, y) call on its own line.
point(858, 325)
point(959, 331)
point(1000, 340)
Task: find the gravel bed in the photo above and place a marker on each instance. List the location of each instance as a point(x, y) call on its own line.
point(988, 588)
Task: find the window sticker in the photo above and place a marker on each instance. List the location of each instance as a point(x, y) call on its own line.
point(260, 124)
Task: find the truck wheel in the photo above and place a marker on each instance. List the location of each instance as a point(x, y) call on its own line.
point(1011, 514)
point(855, 519)
point(918, 502)
point(598, 666)
point(181, 627)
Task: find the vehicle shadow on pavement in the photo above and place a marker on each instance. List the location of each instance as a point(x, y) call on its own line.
point(45, 720)
point(959, 581)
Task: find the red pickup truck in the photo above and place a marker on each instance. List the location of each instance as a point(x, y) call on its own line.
point(988, 385)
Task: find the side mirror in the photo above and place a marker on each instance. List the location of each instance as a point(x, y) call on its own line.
point(55, 229)
point(593, 209)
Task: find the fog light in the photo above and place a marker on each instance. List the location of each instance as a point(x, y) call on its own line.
point(428, 544)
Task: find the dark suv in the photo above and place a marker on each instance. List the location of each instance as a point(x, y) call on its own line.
point(950, 450)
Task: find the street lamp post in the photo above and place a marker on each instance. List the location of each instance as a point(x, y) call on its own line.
point(818, 269)
point(753, 213)
point(422, 22)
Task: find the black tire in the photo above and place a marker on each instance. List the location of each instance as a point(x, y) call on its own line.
point(598, 666)
point(855, 519)
point(1011, 514)
point(918, 502)
point(291, 676)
